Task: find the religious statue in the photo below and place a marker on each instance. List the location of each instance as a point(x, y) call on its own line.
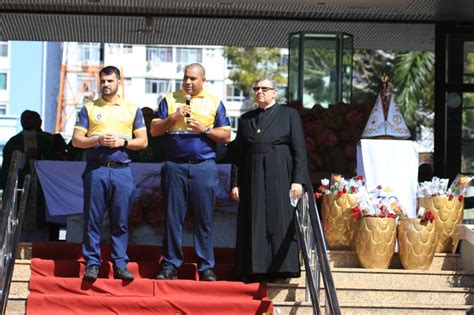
point(386, 120)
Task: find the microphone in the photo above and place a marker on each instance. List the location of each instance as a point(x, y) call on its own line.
point(187, 97)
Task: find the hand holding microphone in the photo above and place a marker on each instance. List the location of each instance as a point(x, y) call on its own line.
point(188, 103)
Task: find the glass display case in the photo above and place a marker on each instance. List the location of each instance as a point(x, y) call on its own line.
point(320, 68)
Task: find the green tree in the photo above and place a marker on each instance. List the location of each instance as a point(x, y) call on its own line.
point(413, 78)
point(252, 63)
point(368, 66)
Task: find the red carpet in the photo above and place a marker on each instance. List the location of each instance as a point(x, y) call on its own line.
point(56, 285)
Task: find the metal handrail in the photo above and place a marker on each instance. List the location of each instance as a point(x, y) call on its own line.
point(12, 219)
point(314, 249)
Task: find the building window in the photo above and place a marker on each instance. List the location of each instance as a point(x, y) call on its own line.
point(3, 81)
point(158, 86)
point(178, 85)
point(230, 65)
point(159, 54)
point(189, 55)
point(234, 122)
point(3, 109)
point(284, 60)
point(90, 52)
point(128, 49)
point(3, 49)
point(234, 94)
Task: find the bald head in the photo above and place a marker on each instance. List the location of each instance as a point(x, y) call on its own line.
point(198, 67)
point(194, 78)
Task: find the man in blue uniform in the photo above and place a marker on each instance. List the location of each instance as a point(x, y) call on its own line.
point(105, 128)
point(194, 121)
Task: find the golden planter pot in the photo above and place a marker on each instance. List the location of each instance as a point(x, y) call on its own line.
point(338, 224)
point(448, 213)
point(375, 241)
point(416, 243)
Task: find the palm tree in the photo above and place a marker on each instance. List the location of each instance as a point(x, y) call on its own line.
point(414, 81)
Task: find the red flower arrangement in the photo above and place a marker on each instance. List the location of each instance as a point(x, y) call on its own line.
point(339, 186)
point(332, 134)
point(384, 212)
point(427, 216)
point(149, 209)
point(451, 197)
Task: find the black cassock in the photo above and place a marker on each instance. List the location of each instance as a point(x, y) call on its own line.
point(270, 155)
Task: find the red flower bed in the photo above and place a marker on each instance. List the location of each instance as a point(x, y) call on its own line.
point(332, 134)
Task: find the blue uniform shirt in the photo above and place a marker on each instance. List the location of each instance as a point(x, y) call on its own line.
point(100, 117)
point(183, 143)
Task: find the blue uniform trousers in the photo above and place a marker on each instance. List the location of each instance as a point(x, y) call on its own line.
point(107, 189)
point(194, 185)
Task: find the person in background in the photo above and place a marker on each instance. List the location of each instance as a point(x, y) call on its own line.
point(269, 170)
point(155, 151)
point(36, 145)
point(190, 175)
point(59, 148)
point(104, 128)
point(425, 172)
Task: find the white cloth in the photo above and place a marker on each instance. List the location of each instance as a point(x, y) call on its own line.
point(392, 164)
point(394, 126)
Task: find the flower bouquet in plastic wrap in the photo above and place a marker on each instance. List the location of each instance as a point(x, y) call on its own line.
point(338, 199)
point(376, 231)
point(447, 204)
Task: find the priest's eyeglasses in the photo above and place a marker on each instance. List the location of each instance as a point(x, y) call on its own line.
point(263, 88)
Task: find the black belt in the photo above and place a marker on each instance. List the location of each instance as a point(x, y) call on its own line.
point(111, 164)
point(191, 161)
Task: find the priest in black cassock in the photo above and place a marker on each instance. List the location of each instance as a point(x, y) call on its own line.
point(269, 167)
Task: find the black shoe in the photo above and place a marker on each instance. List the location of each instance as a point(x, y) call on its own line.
point(167, 274)
point(92, 272)
point(124, 274)
point(207, 275)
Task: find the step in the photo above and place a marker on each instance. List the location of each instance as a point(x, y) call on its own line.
point(16, 306)
point(145, 305)
point(450, 296)
point(75, 269)
point(24, 250)
point(22, 270)
point(305, 308)
point(396, 278)
point(348, 259)
point(143, 269)
point(401, 279)
point(19, 289)
point(136, 253)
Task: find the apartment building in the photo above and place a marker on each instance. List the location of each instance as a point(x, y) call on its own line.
point(149, 71)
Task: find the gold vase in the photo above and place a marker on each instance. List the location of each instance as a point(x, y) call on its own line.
point(338, 223)
point(375, 241)
point(416, 243)
point(448, 213)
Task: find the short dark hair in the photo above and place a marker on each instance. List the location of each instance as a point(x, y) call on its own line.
point(109, 70)
point(29, 119)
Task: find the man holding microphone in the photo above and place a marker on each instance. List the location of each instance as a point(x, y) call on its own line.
point(195, 122)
